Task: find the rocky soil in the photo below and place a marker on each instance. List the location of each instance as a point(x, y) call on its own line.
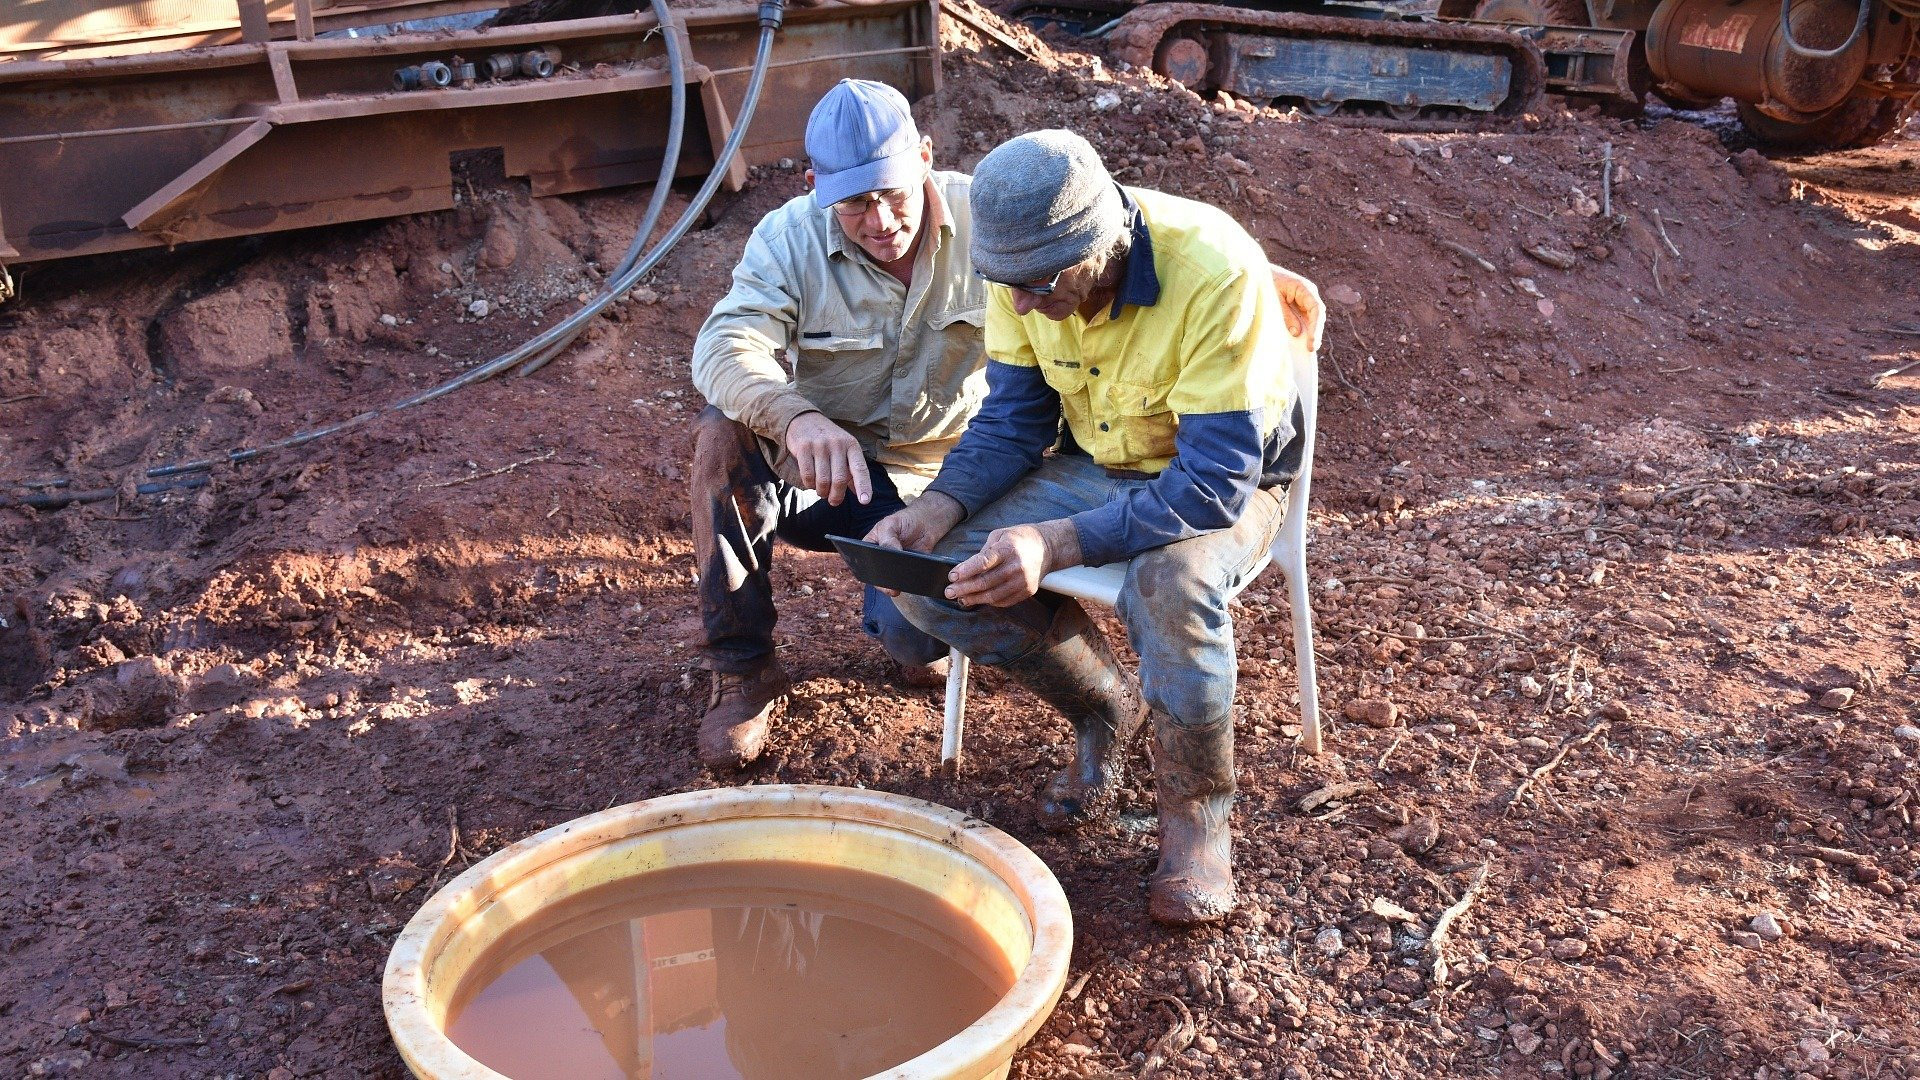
point(1614, 546)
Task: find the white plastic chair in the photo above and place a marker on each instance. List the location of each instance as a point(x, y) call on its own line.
point(1101, 584)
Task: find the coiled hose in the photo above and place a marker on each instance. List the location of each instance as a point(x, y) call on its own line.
point(1797, 49)
point(538, 350)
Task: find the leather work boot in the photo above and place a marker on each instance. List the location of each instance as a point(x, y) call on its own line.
point(1074, 671)
point(738, 709)
point(1193, 781)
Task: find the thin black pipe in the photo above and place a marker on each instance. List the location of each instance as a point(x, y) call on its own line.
point(772, 13)
point(1794, 47)
point(676, 128)
point(154, 487)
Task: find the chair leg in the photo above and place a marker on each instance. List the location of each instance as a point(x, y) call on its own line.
point(956, 719)
point(1303, 657)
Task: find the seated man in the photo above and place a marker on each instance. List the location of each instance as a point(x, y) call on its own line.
point(1154, 326)
point(865, 284)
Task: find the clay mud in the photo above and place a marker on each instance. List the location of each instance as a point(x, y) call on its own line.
point(738, 970)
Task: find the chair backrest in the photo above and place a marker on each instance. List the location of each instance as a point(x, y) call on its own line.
point(1306, 377)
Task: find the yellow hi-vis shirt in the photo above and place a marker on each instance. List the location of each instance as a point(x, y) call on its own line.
point(1214, 341)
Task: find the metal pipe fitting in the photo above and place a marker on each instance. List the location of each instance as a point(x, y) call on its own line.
point(433, 73)
point(539, 63)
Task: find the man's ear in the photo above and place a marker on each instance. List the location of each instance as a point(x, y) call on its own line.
point(809, 179)
point(926, 150)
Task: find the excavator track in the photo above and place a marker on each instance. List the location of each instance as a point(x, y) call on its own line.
point(1408, 68)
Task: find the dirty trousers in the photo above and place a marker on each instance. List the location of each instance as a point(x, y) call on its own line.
point(1174, 601)
point(739, 505)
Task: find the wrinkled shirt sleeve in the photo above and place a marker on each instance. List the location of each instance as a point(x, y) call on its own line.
point(1219, 445)
point(736, 359)
point(1005, 440)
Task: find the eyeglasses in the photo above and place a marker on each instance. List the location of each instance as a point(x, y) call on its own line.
point(1030, 288)
point(894, 199)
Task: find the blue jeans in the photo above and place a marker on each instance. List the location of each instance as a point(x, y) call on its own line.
point(1174, 600)
point(739, 506)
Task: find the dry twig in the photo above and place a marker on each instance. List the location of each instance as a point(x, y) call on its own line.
point(145, 1042)
point(1572, 673)
point(1382, 765)
point(1658, 220)
point(507, 468)
point(1836, 856)
point(1469, 254)
point(453, 847)
point(1315, 799)
point(1606, 181)
point(1358, 629)
point(1567, 746)
point(1443, 926)
point(1496, 629)
point(1875, 383)
point(1174, 1042)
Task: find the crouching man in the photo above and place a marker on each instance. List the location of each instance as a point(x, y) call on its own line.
point(864, 284)
point(1156, 328)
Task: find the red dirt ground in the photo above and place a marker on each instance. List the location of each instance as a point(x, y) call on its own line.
point(1640, 484)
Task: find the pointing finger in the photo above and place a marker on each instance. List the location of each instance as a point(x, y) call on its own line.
point(837, 486)
point(862, 481)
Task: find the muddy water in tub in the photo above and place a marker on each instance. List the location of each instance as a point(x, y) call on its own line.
point(747, 970)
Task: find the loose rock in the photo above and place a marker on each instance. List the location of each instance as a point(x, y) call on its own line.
point(1373, 712)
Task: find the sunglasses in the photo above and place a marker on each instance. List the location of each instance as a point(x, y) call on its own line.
point(1030, 288)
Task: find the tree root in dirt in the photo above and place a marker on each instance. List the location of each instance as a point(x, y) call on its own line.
point(146, 1042)
point(1567, 746)
point(1443, 926)
point(1174, 1042)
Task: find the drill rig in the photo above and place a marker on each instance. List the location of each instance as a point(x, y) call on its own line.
point(1802, 73)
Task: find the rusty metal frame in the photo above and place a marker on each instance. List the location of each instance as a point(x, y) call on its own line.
point(86, 28)
point(158, 148)
point(1585, 60)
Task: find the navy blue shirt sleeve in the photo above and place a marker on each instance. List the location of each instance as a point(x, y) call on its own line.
point(1004, 441)
point(1217, 464)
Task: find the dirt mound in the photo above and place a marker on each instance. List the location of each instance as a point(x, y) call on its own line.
point(1613, 548)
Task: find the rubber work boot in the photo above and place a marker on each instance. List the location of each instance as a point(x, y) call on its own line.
point(738, 711)
point(1074, 671)
point(1193, 781)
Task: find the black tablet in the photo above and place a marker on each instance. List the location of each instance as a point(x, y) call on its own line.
point(893, 568)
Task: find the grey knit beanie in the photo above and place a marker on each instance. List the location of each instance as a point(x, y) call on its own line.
point(1041, 202)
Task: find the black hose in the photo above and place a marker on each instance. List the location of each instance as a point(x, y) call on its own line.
point(670, 164)
point(1797, 49)
point(65, 498)
point(771, 14)
point(554, 338)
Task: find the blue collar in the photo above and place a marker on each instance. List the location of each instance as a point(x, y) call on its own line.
point(1139, 283)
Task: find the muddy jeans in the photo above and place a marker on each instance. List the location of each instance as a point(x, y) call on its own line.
point(739, 505)
point(1174, 601)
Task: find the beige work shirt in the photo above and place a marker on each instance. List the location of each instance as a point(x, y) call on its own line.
point(901, 368)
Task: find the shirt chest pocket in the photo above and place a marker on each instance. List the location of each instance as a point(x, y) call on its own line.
point(976, 316)
point(1068, 377)
point(955, 357)
point(830, 346)
point(843, 368)
point(1147, 426)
